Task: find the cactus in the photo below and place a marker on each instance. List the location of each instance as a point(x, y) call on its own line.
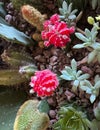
point(29, 117)
point(33, 16)
point(21, 67)
point(11, 77)
point(16, 59)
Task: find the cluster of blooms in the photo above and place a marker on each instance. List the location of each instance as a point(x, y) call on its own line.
point(56, 32)
point(44, 82)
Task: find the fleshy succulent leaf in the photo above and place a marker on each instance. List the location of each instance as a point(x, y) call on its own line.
point(92, 56)
point(44, 106)
point(14, 35)
point(71, 74)
point(81, 37)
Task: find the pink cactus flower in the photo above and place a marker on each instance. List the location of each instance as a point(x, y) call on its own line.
point(44, 83)
point(56, 32)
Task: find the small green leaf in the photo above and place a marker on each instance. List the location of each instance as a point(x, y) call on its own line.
point(87, 32)
point(97, 78)
point(44, 106)
point(78, 46)
point(66, 77)
point(92, 98)
point(97, 85)
point(94, 3)
point(92, 56)
point(69, 8)
point(83, 77)
point(65, 6)
point(74, 65)
point(72, 17)
point(76, 83)
point(73, 12)
point(81, 37)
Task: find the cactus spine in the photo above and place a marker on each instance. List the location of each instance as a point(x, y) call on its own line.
point(29, 117)
point(33, 16)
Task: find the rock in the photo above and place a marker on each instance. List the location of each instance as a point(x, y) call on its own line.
point(54, 51)
point(52, 114)
point(8, 18)
point(40, 58)
point(42, 67)
point(53, 60)
point(52, 122)
point(47, 54)
point(85, 69)
point(51, 101)
point(69, 95)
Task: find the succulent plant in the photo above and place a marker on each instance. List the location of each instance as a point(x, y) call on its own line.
point(14, 35)
point(11, 77)
point(95, 3)
point(97, 112)
point(95, 125)
point(66, 12)
point(77, 4)
point(89, 41)
point(93, 90)
point(21, 68)
point(29, 117)
point(15, 58)
point(81, 4)
point(71, 119)
point(72, 74)
point(33, 16)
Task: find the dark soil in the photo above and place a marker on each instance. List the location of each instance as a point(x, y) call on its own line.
point(54, 59)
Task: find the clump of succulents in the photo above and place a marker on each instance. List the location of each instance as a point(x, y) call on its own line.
point(81, 4)
point(74, 75)
point(89, 42)
point(93, 90)
point(71, 119)
point(66, 13)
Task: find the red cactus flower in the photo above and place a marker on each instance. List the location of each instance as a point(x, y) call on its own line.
point(44, 82)
point(56, 32)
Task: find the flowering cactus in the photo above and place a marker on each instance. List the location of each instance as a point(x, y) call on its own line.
point(44, 82)
point(56, 32)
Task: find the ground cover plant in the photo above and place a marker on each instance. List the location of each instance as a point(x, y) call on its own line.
point(49, 52)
